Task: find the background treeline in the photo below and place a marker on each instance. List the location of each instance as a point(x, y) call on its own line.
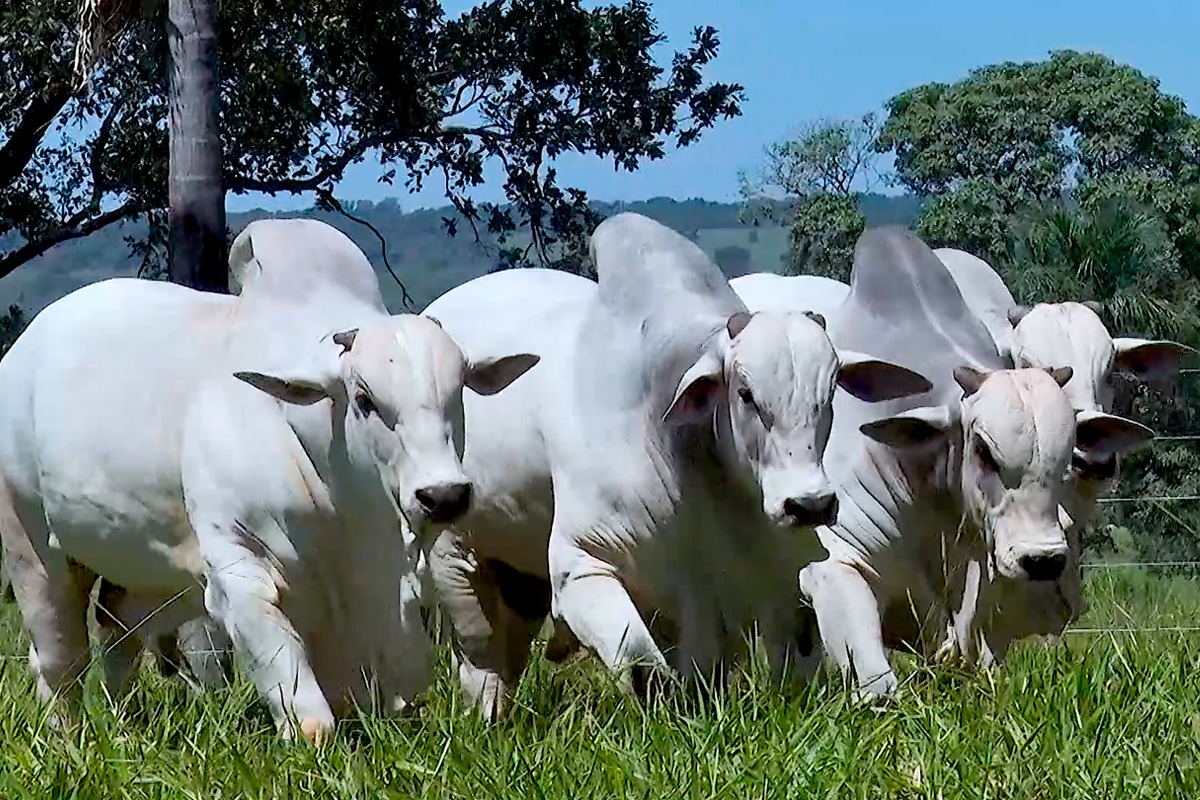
point(427, 260)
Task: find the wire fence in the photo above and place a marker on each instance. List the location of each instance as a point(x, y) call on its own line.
point(1096, 565)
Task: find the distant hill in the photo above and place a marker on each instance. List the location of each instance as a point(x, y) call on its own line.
point(428, 260)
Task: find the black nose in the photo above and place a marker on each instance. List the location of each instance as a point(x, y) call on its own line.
point(446, 502)
point(1100, 468)
point(818, 509)
point(1044, 568)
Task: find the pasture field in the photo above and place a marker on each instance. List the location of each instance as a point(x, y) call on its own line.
point(1112, 715)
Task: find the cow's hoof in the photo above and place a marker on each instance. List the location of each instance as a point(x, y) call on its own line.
point(315, 731)
point(878, 694)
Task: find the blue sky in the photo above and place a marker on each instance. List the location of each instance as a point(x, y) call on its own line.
point(800, 60)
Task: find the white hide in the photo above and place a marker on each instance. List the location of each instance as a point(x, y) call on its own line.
point(984, 293)
point(661, 469)
point(129, 450)
point(928, 482)
point(766, 291)
point(1047, 336)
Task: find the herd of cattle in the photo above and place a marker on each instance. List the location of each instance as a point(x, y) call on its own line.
point(664, 463)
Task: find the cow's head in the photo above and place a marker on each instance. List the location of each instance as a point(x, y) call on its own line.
point(768, 381)
point(1052, 335)
point(1017, 432)
point(396, 387)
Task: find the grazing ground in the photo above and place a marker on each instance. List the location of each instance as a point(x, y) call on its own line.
point(1106, 716)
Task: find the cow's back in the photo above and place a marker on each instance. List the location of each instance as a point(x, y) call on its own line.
point(92, 398)
point(766, 291)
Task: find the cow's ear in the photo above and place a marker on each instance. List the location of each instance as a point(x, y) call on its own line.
point(1098, 433)
point(294, 389)
point(873, 380)
point(311, 381)
point(924, 427)
point(1016, 314)
point(494, 375)
point(969, 379)
point(737, 323)
point(698, 393)
point(1154, 360)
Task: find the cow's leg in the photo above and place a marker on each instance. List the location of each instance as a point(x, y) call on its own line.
point(963, 633)
point(129, 620)
point(405, 667)
point(54, 606)
point(243, 596)
point(120, 641)
point(594, 604)
point(6, 590)
point(204, 648)
point(563, 644)
point(793, 644)
point(52, 593)
point(494, 613)
point(849, 617)
point(700, 645)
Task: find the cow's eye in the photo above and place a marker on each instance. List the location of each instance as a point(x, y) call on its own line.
point(366, 406)
point(746, 396)
point(986, 459)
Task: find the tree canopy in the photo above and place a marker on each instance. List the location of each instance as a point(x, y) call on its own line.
point(817, 175)
point(1076, 126)
point(309, 87)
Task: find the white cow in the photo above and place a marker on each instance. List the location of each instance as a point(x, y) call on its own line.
point(1062, 334)
point(927, 483)
point(654, 483)
point(766, 291)
point(292, 493)
point(1052, 335)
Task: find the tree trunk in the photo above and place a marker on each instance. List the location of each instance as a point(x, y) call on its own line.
point(198, 249)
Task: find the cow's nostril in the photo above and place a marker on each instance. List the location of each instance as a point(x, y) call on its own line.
point(445, 502)
point(1044, 567)
point(818, 509)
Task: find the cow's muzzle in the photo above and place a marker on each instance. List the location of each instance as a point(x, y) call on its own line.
point(445, 502)
point(1043, 566)
point(1098, 468)
point(813, 510)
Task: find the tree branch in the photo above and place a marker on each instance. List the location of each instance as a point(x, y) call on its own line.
point(71, 230)
point(326, 196)
point(332, 171)
point(25, 138)
point(95, 160)
point(240, 184)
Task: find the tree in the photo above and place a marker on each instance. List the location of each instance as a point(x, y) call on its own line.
point(11, 325)
point(309, 87)
point(198, 249)
point(62, 148)
point(1118, 254)
point(197, 240)
point(1013, 135)
point(813, 180)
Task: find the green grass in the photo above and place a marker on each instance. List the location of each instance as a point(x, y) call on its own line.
point(1106, 716)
